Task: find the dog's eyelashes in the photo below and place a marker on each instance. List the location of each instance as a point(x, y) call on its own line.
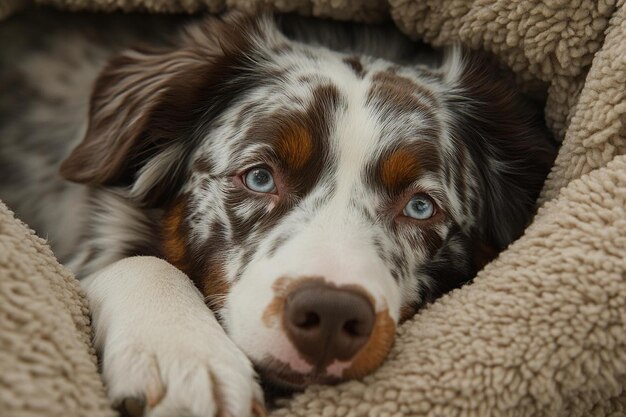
point(259, 180)
point(420, 207)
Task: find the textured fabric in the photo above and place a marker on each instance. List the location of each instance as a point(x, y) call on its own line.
point(542, 330)
point(47, 364)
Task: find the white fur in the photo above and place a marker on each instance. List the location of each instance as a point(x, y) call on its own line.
point(159, 340)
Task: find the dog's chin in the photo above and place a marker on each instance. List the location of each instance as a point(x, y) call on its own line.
point(290, 381)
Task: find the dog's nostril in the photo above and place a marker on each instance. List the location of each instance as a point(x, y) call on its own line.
point(354, 328)
point(309, 320)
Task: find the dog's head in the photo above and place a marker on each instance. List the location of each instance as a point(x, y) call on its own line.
point(316, 198)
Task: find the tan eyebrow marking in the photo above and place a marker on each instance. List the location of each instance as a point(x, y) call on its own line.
point(295, 145)
point(401, 166)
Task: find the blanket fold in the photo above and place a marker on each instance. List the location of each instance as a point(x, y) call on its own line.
point(541, 331)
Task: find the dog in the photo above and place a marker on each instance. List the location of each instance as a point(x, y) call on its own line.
point(260, 194)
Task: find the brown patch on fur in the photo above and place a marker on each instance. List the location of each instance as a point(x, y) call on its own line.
point(326, 101)
point(305, 79)
point(207, 273)
point(295, 145)
point(203, 165)
point(282, 287)
point(401, 94)
point(174, 240)
point(215, 287)
point(400, 167)
point(298, 141)
point(401, 83)
point(355, 63)
point(372, 355)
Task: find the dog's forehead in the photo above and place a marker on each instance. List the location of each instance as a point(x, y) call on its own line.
point(402, 101)
point(370, 106)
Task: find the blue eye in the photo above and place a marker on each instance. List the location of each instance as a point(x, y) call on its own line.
point(420, 207)
point(259, 180)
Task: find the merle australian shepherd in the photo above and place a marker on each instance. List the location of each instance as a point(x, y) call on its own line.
point(257, 194)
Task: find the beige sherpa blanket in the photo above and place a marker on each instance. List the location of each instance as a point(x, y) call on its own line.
point(541, 332)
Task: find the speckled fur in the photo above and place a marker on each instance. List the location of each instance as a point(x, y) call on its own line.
point(161, 161)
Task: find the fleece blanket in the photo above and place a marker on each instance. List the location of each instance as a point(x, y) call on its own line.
point(540, 332)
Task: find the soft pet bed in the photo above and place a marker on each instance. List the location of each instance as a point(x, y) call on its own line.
point(541, 331)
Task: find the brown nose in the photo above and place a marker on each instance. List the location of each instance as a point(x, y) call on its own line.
point(327, 323)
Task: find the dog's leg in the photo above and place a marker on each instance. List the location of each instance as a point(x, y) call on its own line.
point(160, 343)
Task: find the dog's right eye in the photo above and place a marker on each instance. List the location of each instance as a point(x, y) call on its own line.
point(259, 180)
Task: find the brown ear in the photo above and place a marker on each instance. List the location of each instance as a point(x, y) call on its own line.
point(509, 143)
point(148, 100)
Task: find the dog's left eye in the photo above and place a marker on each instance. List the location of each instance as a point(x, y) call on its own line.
point(259, 180)
point(420, 207)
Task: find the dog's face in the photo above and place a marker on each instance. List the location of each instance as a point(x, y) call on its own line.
point(316, 199)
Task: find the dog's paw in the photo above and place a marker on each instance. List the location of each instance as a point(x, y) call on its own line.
point(180, 376)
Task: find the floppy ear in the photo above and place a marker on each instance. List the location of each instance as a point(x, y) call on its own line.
point(508, 141)
point(150, 102)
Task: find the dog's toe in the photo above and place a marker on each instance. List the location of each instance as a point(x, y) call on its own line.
point(183, 382)
point(133, 378)
point(190, 393)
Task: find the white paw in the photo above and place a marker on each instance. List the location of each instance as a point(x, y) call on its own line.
point(160, 344)
point(181, 375)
